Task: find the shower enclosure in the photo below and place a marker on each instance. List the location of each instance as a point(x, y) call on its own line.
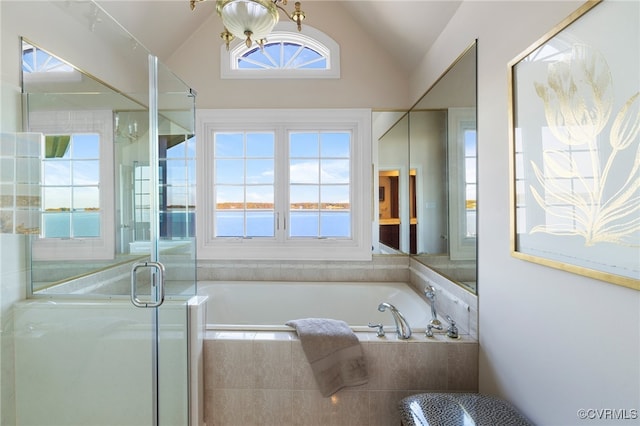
point(104, 335)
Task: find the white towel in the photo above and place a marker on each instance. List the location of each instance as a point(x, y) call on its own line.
point(333, 351)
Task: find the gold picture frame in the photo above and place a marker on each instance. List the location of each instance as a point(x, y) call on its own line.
point(574, 122)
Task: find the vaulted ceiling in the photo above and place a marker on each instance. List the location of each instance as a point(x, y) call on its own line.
point(406, 29)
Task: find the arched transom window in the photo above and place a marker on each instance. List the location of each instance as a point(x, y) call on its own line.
point(287, 53)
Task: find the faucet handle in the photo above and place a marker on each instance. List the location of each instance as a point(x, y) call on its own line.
point(429, 332)
point(380, 327)
point(452, 330)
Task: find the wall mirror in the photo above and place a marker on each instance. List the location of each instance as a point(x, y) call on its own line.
point(95, 198)
point(427, 181)
point(392, 185)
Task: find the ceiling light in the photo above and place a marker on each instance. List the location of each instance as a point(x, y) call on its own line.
point(252, 20)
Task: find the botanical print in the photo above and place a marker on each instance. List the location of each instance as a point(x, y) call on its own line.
point(576, 146)
point(578, 104)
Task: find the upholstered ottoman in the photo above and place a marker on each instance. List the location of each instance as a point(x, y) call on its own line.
point(458, 409)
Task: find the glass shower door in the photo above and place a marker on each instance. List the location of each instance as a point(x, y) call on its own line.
point(92, 357)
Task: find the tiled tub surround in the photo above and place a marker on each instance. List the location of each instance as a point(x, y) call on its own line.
point(263, 378)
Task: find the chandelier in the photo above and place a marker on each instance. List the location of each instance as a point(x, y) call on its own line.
point(252, 20)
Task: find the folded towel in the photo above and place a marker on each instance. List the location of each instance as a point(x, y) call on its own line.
point(333, 351)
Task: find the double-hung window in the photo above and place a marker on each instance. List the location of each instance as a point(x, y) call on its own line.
point(284, 184)
point(76, 185)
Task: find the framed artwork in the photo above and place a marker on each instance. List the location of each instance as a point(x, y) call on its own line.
point(575, 145)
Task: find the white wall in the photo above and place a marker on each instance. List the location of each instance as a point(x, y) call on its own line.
point(551, 342)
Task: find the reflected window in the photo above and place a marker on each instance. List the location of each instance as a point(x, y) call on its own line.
point(77, 185)
point(35, 60)
point(71, 186)
point(470, 184)
point(176, 193)
point(462, 156)
point(177, 186)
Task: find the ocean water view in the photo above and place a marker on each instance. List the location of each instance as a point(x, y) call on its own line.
point(323, 224)
point(316, 224)
point(68, 224)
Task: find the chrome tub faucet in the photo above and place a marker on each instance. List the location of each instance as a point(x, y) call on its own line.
point(402, 326)
point(430, 292)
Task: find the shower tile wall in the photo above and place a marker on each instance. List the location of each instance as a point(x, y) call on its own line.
point(263, 378)
point(20, 183)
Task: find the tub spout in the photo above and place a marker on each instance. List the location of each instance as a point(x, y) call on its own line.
point(402, 326)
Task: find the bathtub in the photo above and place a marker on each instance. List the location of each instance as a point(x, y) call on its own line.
point(268, 305)
point(255, 365)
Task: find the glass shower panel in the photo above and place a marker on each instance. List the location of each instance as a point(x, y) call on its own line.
point(177, 175)
point(175, 213)
point(111, 357)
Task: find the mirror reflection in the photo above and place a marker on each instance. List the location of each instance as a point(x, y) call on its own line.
point(427, 177)
point(392, 192)
point(96, 200)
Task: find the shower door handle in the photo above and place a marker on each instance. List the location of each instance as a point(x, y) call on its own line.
point(157, 283)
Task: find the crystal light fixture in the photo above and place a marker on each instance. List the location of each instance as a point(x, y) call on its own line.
point(252, 20)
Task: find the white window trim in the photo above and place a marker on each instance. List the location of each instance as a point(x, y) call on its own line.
point(283, 30)
point(68, 122)
point(358, 247)
point(461, 247)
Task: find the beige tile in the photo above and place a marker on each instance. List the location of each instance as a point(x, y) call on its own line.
point(385, 365)
point(351, 407)
point(301, 370)
point(209, 364)
point(230, 407)
point(230, 363)
point(272, 364)
point(383, 407)
point(462, 367)
point(273, 407)
point(310, 409)
point(345, 407)
point(427, 367)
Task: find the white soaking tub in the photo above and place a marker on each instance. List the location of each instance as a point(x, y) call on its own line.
point(268, 305)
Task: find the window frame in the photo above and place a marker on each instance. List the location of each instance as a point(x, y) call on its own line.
point(356, 247)
point(74, 122)
point(287, 32)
